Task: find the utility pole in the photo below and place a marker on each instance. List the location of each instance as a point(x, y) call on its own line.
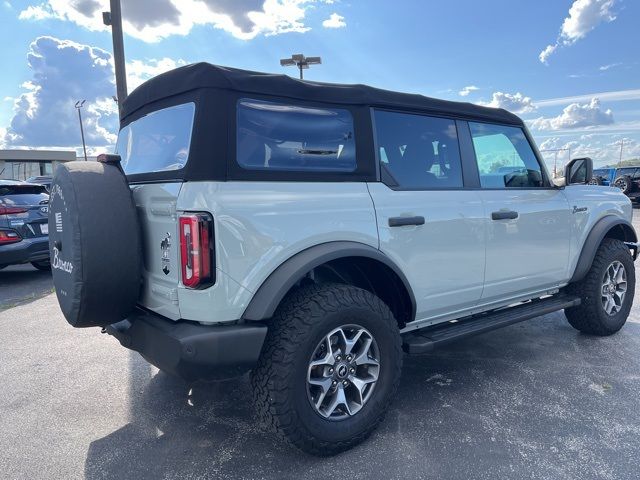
point(79, 105)
point(300, 61)
point(114, 19)
point(621, 146)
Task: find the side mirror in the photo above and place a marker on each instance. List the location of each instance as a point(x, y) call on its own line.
point(578, 171)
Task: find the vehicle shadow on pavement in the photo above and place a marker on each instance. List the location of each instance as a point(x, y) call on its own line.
point(534, 397)
point(23, 284)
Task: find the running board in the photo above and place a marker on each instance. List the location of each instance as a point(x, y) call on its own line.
point(425, 340)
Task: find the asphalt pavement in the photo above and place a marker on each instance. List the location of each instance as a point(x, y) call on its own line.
point(536, 400)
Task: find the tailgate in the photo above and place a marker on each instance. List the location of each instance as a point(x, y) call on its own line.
point(156, 205)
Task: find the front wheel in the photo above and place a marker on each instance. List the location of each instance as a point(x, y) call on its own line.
point(329, 368)
point(606, 291)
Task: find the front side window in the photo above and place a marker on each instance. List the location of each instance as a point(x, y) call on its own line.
point(418, 152)
point(282, 137)
point(158, 141)
point(505, 157)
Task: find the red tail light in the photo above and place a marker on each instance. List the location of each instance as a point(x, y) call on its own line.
point(196, 250)
point(11, 210)
point(9, 236)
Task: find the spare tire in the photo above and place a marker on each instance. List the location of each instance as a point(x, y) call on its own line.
point(94, 242)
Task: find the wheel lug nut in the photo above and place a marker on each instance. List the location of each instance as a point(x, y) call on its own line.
point(352, 370)
point(330, 370)
point(338, 358)
point(345, 383)
point(348, 358)
point(334, 383)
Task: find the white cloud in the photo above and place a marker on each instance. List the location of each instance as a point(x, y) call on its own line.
point(604, 68)
point(153, 20)
point(603, 150)
point(334, 21)
point(37, 12)
point(62, 73)
point(138, 71)
point(546, 53)
point(467, 90)
point(584, 16)
point(615, 96)
point(516, 103)
point(576, 115)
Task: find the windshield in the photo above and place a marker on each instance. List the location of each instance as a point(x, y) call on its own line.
point(158, 141)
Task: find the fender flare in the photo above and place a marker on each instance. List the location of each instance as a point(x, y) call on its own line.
point(594, 239)
point(267, 298)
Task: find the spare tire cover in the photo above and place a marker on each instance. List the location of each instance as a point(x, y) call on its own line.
point(94, 242)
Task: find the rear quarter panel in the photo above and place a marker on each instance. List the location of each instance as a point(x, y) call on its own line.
point(259, 225)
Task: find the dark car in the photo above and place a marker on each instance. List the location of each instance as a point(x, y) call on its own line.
point(24, 232)
point(44, 180)
point(627, 179)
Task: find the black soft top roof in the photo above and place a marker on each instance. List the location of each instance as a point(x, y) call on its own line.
point(205, 75)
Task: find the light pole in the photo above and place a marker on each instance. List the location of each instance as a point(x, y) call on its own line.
point(79, 105)
point(114, 19)
point(300, 61)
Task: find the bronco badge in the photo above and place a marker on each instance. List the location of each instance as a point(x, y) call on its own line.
point(165, 245)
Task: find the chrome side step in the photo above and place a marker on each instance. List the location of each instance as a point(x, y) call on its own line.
point(425, 340)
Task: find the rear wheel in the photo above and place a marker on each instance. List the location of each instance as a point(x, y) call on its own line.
point(606, 291)
point(44, 265)
point(329, 368)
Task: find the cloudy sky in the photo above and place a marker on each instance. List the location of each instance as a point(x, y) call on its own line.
point(570, 68)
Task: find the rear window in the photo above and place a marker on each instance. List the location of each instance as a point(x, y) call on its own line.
point(157, 142)
point(23, 195)
point(282, 137)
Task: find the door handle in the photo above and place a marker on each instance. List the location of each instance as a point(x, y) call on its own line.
point(403, 221)
point(504, 215)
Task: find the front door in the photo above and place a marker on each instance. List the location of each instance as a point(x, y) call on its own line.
point(528, 220)
point(428, 224)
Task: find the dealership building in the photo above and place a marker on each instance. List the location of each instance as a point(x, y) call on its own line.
point(23, 164)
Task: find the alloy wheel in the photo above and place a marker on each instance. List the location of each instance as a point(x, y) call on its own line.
point(343, 372)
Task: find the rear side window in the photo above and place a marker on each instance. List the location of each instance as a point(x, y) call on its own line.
point(283, 137)
point(505, 157)
point(158, 141)
point(419, 151)
point(23, 195)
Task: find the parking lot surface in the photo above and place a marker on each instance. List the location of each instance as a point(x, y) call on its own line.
point(23, 283)
point(537, 400)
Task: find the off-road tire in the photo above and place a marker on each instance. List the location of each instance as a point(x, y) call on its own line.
point(43, 265)
point(596, 181)
point(590, 317)
point(624, 183)
point(280, 383)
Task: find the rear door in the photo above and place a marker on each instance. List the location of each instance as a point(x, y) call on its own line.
point(158, 142)
point(24, 208)
point(428, 224)
point(528, 220)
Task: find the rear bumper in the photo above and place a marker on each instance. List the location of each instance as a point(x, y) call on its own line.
point(27, 250)
point(191, 350)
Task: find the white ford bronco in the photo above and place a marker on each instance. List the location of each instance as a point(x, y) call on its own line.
point(309, 233)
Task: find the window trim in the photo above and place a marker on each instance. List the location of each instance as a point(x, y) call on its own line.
point(386, 177)
point(546, 179)
point(365, 167)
